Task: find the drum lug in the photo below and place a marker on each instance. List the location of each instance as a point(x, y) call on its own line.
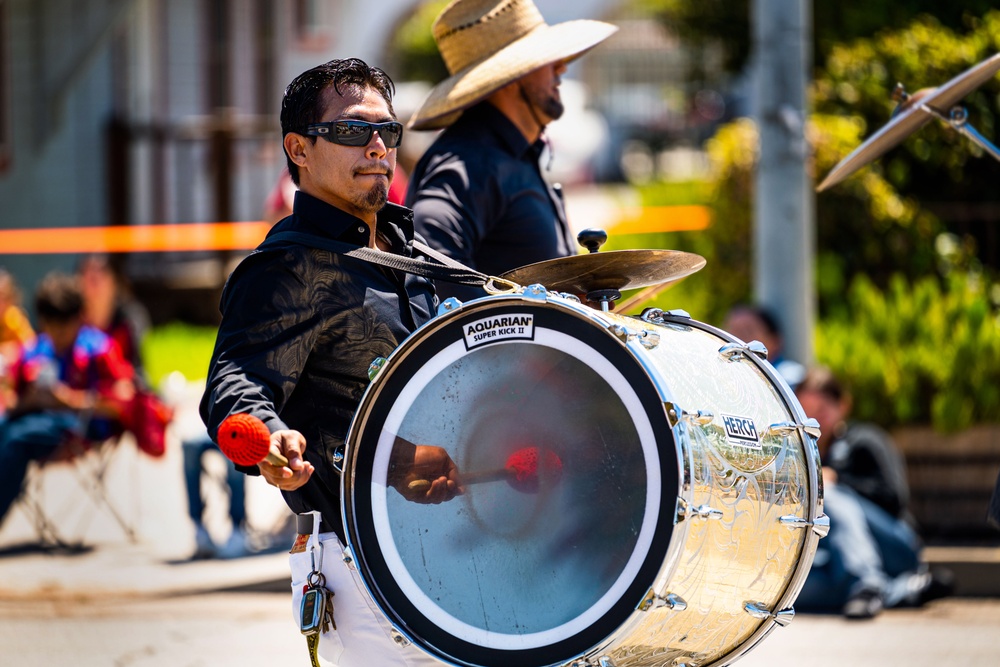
point(653, 601)
point(656, 315)
point(758, 610)
point(398, 639)
point(536, 292)
point(375, 367)
point(820, 526)
point(622, 332)
point(448, 305)
point(700, 512)
point(737, 351)
point(648, 339)
point(809, 427)
point(698, 418)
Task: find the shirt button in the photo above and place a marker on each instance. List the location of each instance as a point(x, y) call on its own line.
point(361, 229)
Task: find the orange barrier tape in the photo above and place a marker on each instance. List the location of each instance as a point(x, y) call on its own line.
point(134, 238)
point(247, 235)
point(650, 219)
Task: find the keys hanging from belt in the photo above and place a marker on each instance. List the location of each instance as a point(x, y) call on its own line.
point(316, 610)
point(316, 613)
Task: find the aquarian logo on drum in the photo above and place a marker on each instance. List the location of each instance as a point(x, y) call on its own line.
point(501, 327)
point(741, 431)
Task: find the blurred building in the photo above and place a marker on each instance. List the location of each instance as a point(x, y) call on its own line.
point(144, 112)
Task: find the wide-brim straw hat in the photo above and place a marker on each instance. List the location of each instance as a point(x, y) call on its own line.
point(487, 44)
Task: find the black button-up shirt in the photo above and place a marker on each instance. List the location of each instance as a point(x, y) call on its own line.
point(301, 325)
point(478, 196)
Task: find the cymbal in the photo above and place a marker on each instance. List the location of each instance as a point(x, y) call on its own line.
point(614, 269)
point(911, 116)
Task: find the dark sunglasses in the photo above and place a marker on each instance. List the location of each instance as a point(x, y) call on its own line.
point(357, 132)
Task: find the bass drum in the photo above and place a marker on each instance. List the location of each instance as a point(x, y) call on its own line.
point(673, 517)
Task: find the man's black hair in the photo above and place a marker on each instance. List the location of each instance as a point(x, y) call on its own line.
point(822, 380)
point(305, 102)
point(58, 298)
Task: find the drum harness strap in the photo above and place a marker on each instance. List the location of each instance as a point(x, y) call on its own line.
point(442, 268)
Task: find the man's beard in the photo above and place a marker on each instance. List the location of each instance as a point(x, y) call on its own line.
point(552, 107)
point(549, 105)
point(375, 199)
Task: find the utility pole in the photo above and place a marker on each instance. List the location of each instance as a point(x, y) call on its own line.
point(784, 206)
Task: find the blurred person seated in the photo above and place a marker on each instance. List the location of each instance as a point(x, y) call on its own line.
point(15, 333)
point(237, 544)
point(71, 382)
point(15, 328)
point(861, 455)
point(871, 558)
point(748, 322)
point(109, 306)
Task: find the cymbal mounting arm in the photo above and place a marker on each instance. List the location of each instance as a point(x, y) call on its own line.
point(958, 118)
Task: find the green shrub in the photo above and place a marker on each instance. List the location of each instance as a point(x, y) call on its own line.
point(178, 347)
point(918, 353)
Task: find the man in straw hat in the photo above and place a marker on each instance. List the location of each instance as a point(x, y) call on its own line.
point(477, 193)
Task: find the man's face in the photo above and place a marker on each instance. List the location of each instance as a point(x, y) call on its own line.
point(541, 88)
point(746, 326)
point(824, 409)
point(355, 179)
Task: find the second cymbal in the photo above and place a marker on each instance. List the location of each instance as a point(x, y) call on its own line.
point(611, 270)
point(910, 117)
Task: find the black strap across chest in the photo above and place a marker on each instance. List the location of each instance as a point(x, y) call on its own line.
point(442, 268)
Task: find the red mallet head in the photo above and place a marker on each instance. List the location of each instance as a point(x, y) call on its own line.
point(529, 464)
point(245, 441)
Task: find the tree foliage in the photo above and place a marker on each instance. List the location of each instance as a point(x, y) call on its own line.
point(728, 22)
point(909, 315)
point(416, 56)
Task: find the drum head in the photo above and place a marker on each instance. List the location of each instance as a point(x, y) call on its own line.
point(514, 573)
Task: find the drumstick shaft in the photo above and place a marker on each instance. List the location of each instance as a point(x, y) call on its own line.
point(642, 296)
point(276, 459)
point(476, 477)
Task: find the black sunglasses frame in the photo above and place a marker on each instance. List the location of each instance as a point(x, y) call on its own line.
point(329, 132)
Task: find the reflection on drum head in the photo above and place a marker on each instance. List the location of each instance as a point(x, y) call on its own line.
point(501, 567)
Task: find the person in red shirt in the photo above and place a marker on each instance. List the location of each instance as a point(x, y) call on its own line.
point(108, 306)
point(72, 382)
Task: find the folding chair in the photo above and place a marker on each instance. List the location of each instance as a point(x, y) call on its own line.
point(89, 462)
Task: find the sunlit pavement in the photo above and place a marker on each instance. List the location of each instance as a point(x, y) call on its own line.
point(255, 629)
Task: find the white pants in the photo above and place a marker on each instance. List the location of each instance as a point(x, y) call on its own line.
point(363, 637)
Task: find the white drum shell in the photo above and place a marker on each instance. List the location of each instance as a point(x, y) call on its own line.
point(741, 546)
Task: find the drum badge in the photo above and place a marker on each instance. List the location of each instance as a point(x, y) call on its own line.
point(501, 327)
point(741, 431)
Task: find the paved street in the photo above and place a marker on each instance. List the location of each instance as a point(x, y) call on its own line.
point(254, 629)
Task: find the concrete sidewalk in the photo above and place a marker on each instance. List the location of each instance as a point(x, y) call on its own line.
point(130, 571)
point(150, 495)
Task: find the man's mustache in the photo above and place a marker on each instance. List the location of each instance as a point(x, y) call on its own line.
point(375, 168)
